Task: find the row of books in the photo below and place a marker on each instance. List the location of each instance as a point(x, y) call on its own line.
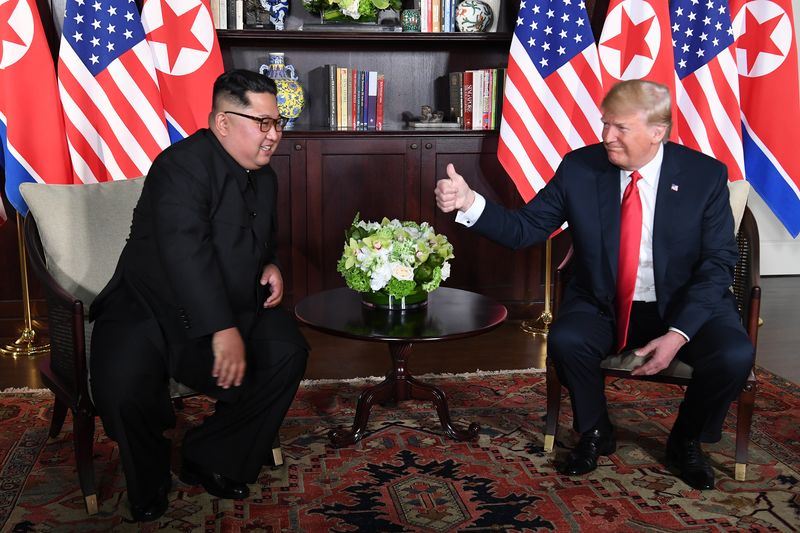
point(346, 97)
point(437, 15)
point(228, 14)
point(476, 98)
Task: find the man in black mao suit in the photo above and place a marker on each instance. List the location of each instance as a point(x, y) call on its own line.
point(195, 297)
point(681, 304)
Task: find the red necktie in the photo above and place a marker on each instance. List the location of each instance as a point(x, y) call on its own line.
point(630, 237)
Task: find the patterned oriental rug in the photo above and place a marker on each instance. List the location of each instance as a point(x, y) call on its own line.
point(405, 476)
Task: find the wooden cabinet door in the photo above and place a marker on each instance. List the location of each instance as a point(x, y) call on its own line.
point(513, 277)
point(371, 175)
point(289, 162)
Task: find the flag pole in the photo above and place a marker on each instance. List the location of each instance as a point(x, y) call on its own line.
point(25, 345)
point(541, 326)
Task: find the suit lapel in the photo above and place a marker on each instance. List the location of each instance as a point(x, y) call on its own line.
point(608, 195)
point(667, 198)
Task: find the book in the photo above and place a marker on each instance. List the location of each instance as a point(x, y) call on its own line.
point(457, 97)
point(223, 14)
point(321, 102)
point(467, 91)
point(379, 103)
point(239, 14)
point(372, 98)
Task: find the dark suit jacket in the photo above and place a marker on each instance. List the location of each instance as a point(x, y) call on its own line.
point(199, 240)
point(694, 247)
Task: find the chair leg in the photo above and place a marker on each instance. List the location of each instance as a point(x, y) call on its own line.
point(84, 451)
point(553, 407)
point(57, 422)
point(277, 453)
point(744, 418)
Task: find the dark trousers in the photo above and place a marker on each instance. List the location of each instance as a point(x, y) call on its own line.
point(130, 386)
point(720, 354)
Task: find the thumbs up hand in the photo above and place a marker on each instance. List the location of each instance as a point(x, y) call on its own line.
point(453, 193)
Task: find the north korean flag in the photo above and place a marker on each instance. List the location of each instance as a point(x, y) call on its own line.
point(636, 43)
point(187, 56)
point(31, 121)
point(766, 54)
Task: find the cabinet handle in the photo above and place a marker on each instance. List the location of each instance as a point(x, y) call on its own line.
point(298, 147)
point(413, 146)
point(428, 146)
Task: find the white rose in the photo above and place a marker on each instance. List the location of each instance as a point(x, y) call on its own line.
point(351, 10)
point(445, 270)
point(402, 272)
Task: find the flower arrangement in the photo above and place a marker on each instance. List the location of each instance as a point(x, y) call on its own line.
point(397, 258)
point(361, 10)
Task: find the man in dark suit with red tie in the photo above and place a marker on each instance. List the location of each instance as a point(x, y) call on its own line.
point(654, 245)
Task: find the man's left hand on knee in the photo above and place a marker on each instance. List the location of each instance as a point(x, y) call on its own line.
point(660, 353)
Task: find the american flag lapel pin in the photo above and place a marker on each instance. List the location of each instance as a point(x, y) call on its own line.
point(674, 187)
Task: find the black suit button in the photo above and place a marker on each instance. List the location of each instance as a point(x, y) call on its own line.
point(253, 214)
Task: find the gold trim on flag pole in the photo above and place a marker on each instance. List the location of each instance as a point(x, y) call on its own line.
point(25, 345)
point(541, 326)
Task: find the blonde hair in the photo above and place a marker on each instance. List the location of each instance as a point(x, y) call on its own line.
point(632, 96)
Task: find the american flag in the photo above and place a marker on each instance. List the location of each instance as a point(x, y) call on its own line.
point(112, 106)
point(707, 86)
point(552, 91)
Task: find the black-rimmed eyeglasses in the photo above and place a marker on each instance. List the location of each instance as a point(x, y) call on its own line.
point(265, 123)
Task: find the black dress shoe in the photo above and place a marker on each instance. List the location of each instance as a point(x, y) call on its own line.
point(687, 456)
point(215, 484)
point(156, 508)
point(583, 458)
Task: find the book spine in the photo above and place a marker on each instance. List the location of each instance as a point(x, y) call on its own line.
point(239, 14)
point(214, 5)
point(379, 103)
point(486, 102)
point(456, 97)
point(436, 16)
point(364, 98)
point(353, 122)
point(372, 98)
point(501, 87)
point(231, 10)
point(333, 119)
point(468, 94)
point(223, 14)
point(477, 99)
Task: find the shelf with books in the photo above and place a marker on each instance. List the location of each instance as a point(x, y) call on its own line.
point(315, 132)
point(260, 37)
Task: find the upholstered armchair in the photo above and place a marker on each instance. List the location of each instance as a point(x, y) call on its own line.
point(74, 235)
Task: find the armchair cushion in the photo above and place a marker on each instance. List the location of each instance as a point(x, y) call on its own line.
point(627, 361)
point(739, 191)
point(83, 230)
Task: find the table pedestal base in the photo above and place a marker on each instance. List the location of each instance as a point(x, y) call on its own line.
point(400, 385)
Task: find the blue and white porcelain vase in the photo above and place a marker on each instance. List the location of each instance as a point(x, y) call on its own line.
point(277, 9)
point(290, 92)
point(473, 16)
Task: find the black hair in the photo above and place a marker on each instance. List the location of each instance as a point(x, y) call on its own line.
point(235, 84)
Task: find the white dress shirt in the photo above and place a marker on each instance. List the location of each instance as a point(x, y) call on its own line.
point(645, 289)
